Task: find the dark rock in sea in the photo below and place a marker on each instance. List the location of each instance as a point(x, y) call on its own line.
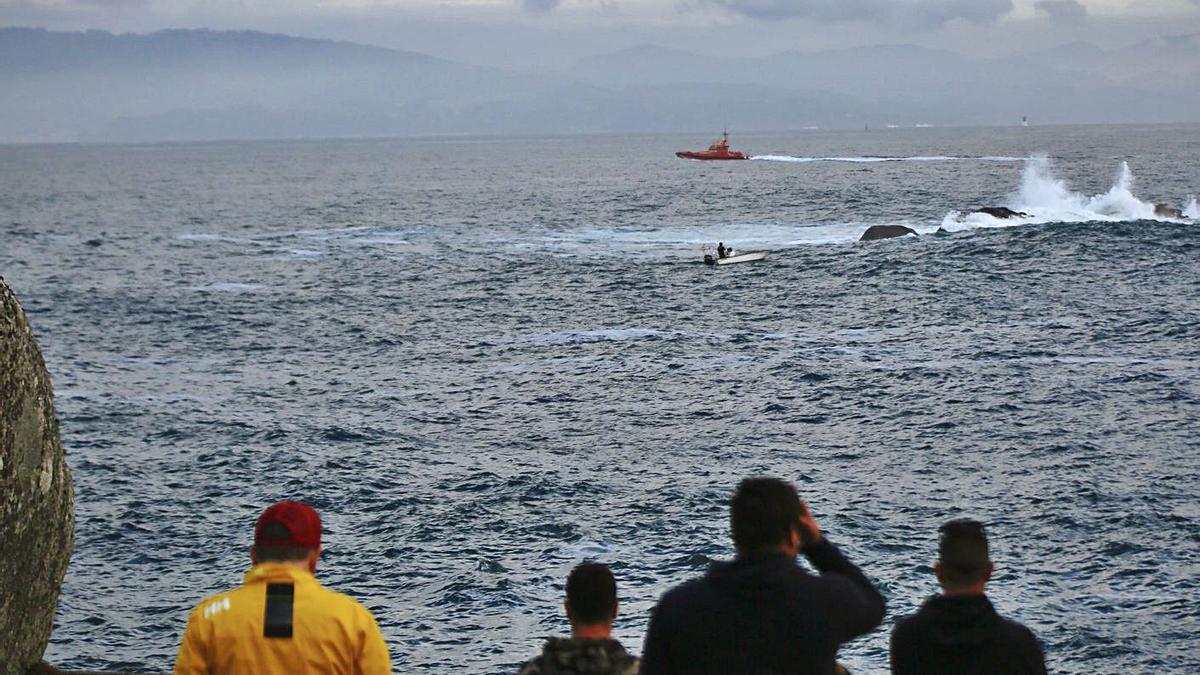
point(1001, 212)
point(37, 502)
point(886, 232)
point(941, 231)
point(93, 242)
point(1164, 211)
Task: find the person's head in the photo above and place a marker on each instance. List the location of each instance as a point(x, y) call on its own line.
point(764, 515)
point(591, 602)
point(963, 564)
point(288, 532)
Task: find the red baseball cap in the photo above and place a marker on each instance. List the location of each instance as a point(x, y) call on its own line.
point(288, 524)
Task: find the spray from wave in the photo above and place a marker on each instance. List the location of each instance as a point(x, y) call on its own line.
point(1047, 199)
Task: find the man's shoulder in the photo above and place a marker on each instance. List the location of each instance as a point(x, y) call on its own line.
point(910, 626)
point(572, 656)
point(215, 604)
point(533, 666)
point(686, 592)
point(906, 625)
point(537, 666)
point(784, 580)
point(327, 599)
point(1016, 631)
point(335, 599)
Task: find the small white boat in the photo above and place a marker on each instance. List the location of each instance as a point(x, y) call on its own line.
point(739, 258)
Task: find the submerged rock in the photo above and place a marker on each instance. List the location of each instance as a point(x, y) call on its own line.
point(37, 503)
point(1001, 212)
point(886, 232)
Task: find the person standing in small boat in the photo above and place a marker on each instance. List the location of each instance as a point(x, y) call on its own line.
point(721, 250)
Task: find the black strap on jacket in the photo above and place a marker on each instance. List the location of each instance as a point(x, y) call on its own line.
point(277, 618)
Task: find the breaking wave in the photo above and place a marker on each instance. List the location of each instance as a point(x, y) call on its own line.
point(1045, 198)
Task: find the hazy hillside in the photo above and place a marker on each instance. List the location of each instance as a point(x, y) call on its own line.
point(905, 84)
point(199, 84)
point(205, 84)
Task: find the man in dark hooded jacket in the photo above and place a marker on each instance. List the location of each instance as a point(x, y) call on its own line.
point(591, 607)
point(959, 631)
point(761, 612)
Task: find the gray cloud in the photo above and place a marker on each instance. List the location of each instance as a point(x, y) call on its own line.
point(909, 13)
point(1065, 12)
point(112, 4)
point(540, 6)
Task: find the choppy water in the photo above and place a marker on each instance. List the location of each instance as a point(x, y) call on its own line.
point(486, 360)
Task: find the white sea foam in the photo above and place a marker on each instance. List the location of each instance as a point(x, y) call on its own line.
point(1048, 199)
point(319, 233)
point(359, 235)
point(569, 336)
point(671, 241)
point(382, 239)
point(873, 160)
point(1192, 210)
point(204, 236)
point(228, 287)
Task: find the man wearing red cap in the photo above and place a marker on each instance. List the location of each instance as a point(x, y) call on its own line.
point(282, 620)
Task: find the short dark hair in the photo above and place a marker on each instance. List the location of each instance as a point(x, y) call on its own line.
point(591, 594)
point(762, 513)
point(279, 552)
point(963, 551)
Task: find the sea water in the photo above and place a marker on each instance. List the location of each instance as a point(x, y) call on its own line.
point(486, 360)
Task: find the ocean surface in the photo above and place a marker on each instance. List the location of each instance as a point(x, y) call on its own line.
point(486, 360)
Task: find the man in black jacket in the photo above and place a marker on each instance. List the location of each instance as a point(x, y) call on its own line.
point(762, 613)
point(959, 631)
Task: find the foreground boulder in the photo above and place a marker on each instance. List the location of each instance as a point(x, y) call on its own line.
point(886, 232)
point(37, 503)
point(1164, 211)
point(1001, 212)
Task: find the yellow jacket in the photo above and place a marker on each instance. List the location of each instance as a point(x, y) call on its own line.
point(330, 632)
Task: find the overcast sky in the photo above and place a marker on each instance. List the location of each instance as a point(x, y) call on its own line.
point(550, 34)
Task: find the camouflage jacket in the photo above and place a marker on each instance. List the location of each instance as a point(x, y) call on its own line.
point(581, 656)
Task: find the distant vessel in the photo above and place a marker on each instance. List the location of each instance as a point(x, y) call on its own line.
point(1024, 121)
point(718, 150)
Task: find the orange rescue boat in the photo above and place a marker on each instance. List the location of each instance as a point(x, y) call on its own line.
point(718, 150)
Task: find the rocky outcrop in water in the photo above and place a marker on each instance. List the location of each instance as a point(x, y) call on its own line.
point(886, 232)
point(1164, 211)
point(37, 503)
point(1001, 212)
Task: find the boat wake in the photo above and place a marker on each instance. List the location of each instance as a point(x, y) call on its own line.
point(1045, 198)
point(874, 160)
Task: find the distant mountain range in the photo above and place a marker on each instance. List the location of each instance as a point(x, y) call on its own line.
point(200, 84)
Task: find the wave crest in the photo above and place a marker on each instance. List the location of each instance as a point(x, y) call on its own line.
point(1048, 199)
